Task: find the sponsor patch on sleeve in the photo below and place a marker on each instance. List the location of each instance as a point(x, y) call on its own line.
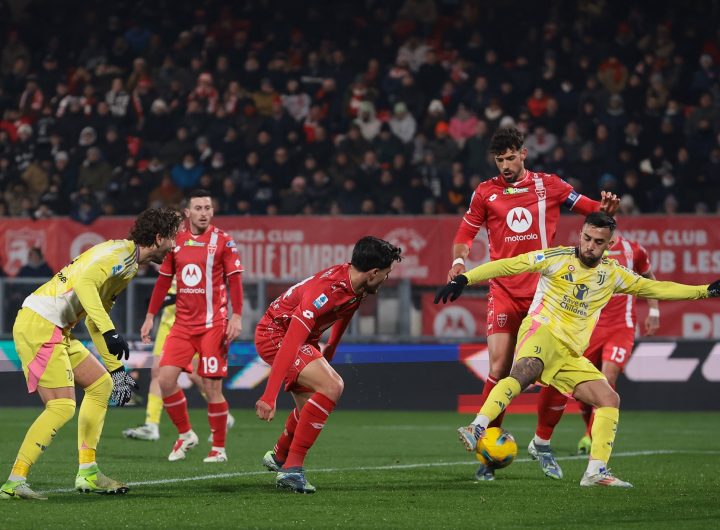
point(539, 257)
point(320, 301)
point(572, 199)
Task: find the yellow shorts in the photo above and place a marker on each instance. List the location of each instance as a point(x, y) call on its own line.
point(561, 368)
point(166, 322)
point(48, 354)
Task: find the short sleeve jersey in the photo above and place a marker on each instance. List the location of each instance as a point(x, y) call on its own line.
point(201, 264)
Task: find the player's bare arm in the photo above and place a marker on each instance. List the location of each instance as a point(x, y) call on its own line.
point(264, 411)
point(527, 370)
point(146, 328)
point(234, 327)
point(460, 254)
point(609, 202)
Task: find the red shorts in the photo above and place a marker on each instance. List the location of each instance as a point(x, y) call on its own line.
point(267, 344)
point(211, 344)
point(505, 314)
point(611, 344)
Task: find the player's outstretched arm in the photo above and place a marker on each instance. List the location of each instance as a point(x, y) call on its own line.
point(528, 262)
point(645, 288)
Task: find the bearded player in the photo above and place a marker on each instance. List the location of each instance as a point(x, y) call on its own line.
point(611, 343)
point(287, 337)
point(204, 259)
point(150, 430)
point(576, 283)
point(520, 210)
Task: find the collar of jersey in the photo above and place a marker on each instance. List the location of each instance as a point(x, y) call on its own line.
point(519, 182)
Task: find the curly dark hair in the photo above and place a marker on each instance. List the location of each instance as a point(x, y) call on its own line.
point(374, 253)
point(163, 222)
point(506, 138)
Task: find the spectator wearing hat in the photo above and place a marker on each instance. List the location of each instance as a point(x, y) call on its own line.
point(402, 123)
point(367, 121)
point(435, 113)
point(24, 149)
point(444, 148)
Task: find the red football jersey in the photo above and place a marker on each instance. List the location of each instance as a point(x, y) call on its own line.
point(620, 310)
point(317, 302)
point(201, 264)
point(519, 217)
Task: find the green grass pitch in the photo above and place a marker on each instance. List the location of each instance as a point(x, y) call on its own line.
point(375, 470)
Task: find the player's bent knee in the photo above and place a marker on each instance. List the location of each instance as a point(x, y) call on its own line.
point(609, 399)
point(334, 387)
point(101, 388)
point(64, 408)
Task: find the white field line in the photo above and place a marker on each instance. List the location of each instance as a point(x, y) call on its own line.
point(393, 467)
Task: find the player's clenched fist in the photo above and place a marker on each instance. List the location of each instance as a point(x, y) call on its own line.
point(264, 411)
point(714, 289)
point(452, 290)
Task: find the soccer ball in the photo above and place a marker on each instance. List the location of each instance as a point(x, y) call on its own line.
point(497, 448)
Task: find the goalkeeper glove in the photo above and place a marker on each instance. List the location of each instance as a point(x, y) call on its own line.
point(714, 289)
point(453, 289)
point(116, 344)
point(123, 387)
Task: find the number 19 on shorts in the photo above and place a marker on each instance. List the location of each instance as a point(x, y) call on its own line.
point(210, 365)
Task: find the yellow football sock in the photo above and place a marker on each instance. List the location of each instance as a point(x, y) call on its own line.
point(154, 409)
point(603, 433)
point(92, 417)
point(500, 397)
point(56, 414)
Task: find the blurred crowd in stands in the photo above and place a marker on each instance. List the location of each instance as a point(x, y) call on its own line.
point(352, 107)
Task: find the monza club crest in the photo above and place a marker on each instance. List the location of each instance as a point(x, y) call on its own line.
point(502, 319)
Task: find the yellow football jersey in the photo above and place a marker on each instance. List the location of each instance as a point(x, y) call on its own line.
point(88, 285)
point(570, 296)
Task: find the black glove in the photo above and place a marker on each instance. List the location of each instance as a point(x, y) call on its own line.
point(453, 289)
point(714, 289)
point(168, 300)
point(116, 344)
point(123, 387)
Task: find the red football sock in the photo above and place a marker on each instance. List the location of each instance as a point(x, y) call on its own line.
point(551, 405)
point(217, 418)
point(312, 419)
point(176, 407)
point(283, 444)
point(490, 383)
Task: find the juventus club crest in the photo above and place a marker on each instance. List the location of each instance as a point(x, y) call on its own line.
point(601, 277)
